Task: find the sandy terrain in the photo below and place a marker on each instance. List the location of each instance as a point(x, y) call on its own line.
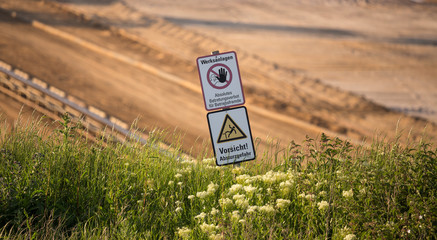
point(383, 50)
point(148, 67)
point(12, 110)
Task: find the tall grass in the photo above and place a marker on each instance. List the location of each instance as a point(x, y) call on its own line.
point(62, 187)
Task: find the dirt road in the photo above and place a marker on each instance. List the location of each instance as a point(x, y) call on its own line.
point(131, 64)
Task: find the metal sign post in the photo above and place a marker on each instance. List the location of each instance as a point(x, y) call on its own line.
point(229, 128)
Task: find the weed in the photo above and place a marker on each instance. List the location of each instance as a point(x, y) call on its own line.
point(63, 187)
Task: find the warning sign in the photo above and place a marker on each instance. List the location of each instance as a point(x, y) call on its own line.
point(230, 131)
point(220, 80)
point(219, 76)
point(231, 136)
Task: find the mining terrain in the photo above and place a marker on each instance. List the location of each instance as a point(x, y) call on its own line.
point(352, 69)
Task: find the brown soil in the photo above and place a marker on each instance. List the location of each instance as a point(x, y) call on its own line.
point(156, 80)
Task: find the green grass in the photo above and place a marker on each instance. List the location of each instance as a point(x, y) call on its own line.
point(59, 186)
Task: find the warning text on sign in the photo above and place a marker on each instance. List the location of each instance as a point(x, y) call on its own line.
point(220, 81)
point(231, 136)
point(235, 152)
point(224, 99)
point(217, 59)
point(234, 148)
point(240, 156)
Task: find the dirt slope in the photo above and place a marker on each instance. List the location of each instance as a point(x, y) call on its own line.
point(282, 103)
point(243, 25)
point(383, 50)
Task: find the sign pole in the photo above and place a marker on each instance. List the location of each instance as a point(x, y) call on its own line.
point(235, 165)
point(223, 94)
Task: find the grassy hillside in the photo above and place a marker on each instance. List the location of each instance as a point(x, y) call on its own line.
point(57, 185)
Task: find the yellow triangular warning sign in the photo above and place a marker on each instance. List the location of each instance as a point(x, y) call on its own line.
point(230, 131)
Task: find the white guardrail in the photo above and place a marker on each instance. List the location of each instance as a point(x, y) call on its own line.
point(60, 102)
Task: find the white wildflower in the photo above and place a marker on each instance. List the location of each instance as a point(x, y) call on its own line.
point(348, 194)
point(235, 215)
point(235, 188)
point(309, 196)
point(238, 170)
point(186, 170)
point(291, 175)
point(187, 161)
point(208, 228)
point(201, 216)
point(212, 187)
point(350, 237)
point(323, 205)
point(184, 232)
point(272, 177)
point(211, 167)
point(280, 176)
point(178, 175)
point(282, 203)
point(285, 187)
point(242, 178)
point(180, 183)
point(268, 177)
point(191, 197)
point(202, 195)
point(322, 193)
point(214, 236)
point(286, 184)
point(209, 161)
point(238, 196)
point(214, 211)
point(249, 181)
point(267, 209)
point(242, 221)
point(251, 209)
point(226, 203)
point(302, 195)
point(170, 183)
point(242, 203)
point(178, 209)
point(250, 189)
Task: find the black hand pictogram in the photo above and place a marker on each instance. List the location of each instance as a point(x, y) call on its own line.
point(222, 75)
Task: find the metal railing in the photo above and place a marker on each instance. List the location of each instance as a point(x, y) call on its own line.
point(54, 102)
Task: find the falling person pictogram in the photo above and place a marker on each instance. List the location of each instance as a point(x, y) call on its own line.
point(230, 131)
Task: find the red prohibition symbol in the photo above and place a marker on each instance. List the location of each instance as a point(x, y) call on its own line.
point(219, 76)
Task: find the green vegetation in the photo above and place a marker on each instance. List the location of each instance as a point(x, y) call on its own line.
point(59, 186)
